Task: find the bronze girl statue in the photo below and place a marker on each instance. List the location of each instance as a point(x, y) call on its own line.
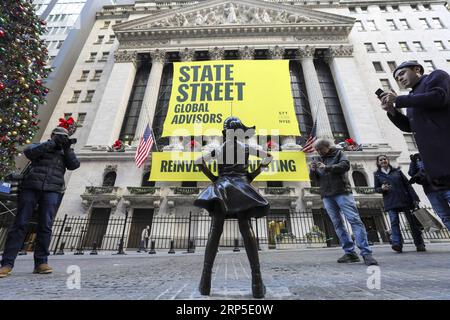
point(232, 196)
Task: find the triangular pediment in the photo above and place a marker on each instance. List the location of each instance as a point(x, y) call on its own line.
point(219, 13)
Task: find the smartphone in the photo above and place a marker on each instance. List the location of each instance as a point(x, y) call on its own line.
point(379, 92)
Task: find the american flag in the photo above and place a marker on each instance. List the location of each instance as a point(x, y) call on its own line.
point(144, 147)
point(309, 145)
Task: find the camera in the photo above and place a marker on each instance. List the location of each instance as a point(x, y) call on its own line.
point(379, 92)
point(72, 141)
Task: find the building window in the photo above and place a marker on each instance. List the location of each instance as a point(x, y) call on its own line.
point(274, 184)
point(437, 24)
point(392, 65)
point(359, 179)
point(81, 118)
point(427, 7)
point(369, 47)
point(332, 103)
point(109, 179)
point(352, 9)
point(67, 115)
point(359, 26)
point(301, 103)
point(383, 9)
point(385, 84)
point(118, 21)
point(75, 97)
point(391, 24)
point(92, 57)
point(371, 25)
point(97, 75)
point(439, 45)
point(377, 66)
point(84, 75)
point(418, 46)
point(104, 56)
point(106, 25)
point(383, 47)
point(99, 40)
point(395, 8)
point(424, 23)
point(111, 39)
point(415, 7)
point(364, 9)
point(405, 24)
point(89, 96)
point(410, 141)
point(404, 46)
point(60, 43)
point(145, 182)
point(133, 111)
point(428, 65)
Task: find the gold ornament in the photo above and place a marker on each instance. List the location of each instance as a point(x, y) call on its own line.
point(14, 133)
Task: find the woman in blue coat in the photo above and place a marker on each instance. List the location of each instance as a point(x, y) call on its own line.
point(398, 196)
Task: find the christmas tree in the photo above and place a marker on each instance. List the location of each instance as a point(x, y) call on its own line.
point(23, 57)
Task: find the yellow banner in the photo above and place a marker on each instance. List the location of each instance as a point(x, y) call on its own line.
point(205, 93)
point(179, 166)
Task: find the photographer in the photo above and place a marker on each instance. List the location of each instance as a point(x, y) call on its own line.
point(42, 185)
point(398, 196)
point(427, 116)
point(434, 194)
point(331, 172)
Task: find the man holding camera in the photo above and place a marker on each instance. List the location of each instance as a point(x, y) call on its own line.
point(42, 185)
point(427, 117)
point(331, 172)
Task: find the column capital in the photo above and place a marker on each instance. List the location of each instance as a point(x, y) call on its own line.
point(339, 52)
point(276, 53)
point(216, 53)
point(305, 52)
point(246, 53)
point(123, 56)
point(187, 54)
point(158, 56)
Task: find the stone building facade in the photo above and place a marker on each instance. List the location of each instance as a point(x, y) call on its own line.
point(340, 52)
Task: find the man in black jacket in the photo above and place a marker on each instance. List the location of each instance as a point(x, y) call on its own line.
point(331, 174)
point(427, 117)
point(42, 186)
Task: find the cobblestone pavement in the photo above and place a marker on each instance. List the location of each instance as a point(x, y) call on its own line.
point(288, 274)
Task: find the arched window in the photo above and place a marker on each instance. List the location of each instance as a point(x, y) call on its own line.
point(109, 179)
point(359, 179)
point(145, 182)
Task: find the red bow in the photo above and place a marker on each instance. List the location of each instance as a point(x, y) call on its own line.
point(117, 144)
point(350, 141)
point(193, 143)
point(66, 123)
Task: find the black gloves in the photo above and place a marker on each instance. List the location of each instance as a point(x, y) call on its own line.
point(61, 141)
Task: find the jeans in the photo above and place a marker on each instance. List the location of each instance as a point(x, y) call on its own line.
point(440, 201)
point(415, 226)
point(48, 206)
point(345, 203)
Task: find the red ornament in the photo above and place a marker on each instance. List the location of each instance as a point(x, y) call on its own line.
point(46, 90)
point(2, 86)
point(43, 22)
point(38, 82)
point(2, 33)
point(37, 91)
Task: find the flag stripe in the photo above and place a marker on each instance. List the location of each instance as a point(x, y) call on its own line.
point(144, 147)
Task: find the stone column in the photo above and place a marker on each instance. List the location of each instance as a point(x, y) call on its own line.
point(151, 94)
point(176, 143)
point(108, 120)
point(315, 97)
point(356, 105)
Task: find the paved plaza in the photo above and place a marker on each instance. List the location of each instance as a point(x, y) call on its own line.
point(288, 274)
